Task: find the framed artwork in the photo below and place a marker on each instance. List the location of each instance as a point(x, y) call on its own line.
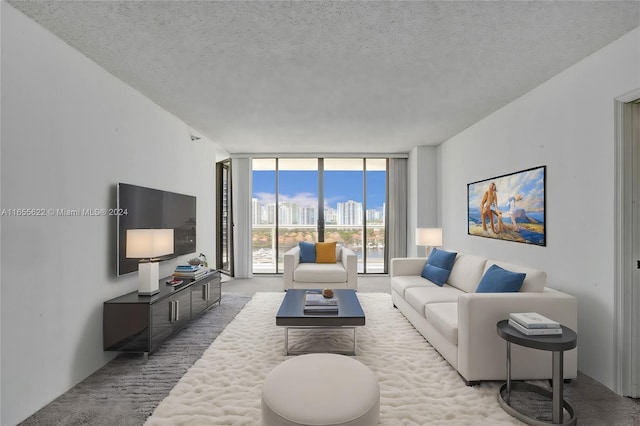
point(509, 207)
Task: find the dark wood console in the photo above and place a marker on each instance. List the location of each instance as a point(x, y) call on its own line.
point(134, 323)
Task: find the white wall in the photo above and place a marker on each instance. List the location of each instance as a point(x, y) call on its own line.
point(566, 124)
point(422, 190)
point(70, 132)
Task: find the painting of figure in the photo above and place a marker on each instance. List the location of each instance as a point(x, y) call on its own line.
point(509, 207)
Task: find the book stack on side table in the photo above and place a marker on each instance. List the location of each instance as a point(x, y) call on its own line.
point(190, 272)
point(316, 303)
point(534, 324)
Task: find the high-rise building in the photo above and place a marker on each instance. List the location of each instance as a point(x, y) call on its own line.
point(350, 213)
point(374, 215)
point(307, 215)
point(288, 213)
point(256, 212)
point(330, 215)
point(269, 214)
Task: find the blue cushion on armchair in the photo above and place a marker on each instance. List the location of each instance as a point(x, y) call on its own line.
point(307, 252)
point(438, 267)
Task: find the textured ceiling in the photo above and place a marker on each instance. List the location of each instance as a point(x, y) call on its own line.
point(333, 76)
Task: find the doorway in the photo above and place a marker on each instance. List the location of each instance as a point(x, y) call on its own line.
point(628, 245)
point(634, 125)
point(224, 218)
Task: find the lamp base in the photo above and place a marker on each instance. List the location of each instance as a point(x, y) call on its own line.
point(148, 277)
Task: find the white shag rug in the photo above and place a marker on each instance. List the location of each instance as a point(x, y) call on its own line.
point(417, 386)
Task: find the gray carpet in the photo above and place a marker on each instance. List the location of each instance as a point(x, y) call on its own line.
point(126, 390)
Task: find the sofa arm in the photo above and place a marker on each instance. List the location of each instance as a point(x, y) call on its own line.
point(350, 262)
point(407, 266)
point(482, 353)
point(291, 262)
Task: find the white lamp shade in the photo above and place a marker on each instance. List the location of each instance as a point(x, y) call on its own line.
point(149, 243)
point(431, 237)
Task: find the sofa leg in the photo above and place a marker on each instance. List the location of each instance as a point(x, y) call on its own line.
point(565, 381)
point(472, 382)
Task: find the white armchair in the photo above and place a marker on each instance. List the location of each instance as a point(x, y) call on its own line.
point(342, 274)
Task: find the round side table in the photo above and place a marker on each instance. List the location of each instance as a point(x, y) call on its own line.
point(557, 343)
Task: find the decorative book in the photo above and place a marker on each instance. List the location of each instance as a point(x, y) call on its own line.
point(320, 309)
point(196, 272)
point(534, 331)
point(533, 320)
point(317, 299)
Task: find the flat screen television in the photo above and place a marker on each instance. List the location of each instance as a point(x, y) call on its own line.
point(148, 208)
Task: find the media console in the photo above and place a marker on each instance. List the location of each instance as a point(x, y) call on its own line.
point(134, 323)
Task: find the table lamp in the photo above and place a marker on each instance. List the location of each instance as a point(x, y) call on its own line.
point(147, 245)
point(429, 237)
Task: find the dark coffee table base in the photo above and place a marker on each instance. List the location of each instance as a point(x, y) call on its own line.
point(286, 339)
point(291, 315)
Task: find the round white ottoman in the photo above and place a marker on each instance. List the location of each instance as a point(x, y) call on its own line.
point(320, 389)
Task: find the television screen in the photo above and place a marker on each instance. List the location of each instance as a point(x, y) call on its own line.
point(147, 208)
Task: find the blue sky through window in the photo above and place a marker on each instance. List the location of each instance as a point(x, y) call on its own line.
point(303, 185)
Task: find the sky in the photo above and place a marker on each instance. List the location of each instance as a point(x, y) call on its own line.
point(302, 187)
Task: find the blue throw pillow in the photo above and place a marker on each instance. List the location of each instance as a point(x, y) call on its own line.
point(438, 267)
point(307, 252)
point(498, 280)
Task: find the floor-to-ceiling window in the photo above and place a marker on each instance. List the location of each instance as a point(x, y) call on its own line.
point(265, 255)
point(319, 199)
point(297, 199)
point(375, 215)
point(344, 203)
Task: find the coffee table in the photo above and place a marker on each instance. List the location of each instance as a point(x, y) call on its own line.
point(291, 315)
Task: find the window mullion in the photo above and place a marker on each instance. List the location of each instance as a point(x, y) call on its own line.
point(277, 217)
point(321, 222)
point(364, 215)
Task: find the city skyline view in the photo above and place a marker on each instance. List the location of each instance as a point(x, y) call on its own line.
point(291, 213)
point(301, 187)
point(353, 208)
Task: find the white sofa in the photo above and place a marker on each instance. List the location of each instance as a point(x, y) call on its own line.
point(342, 274)
point(461, 324)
